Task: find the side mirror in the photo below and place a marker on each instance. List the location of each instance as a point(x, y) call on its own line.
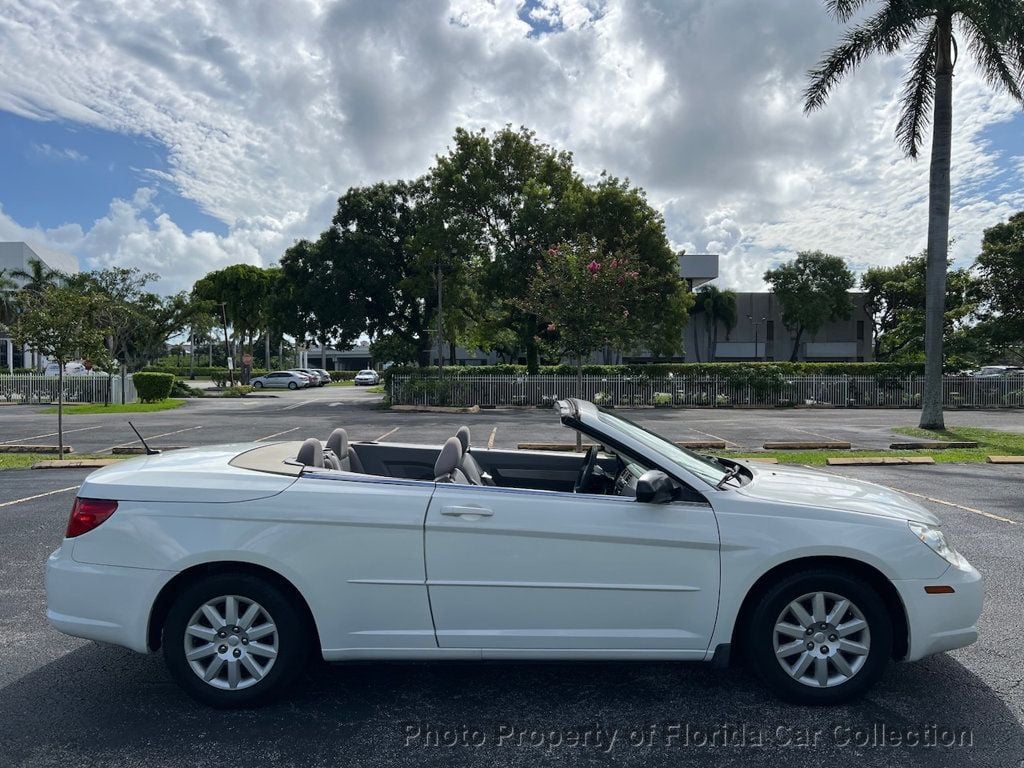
point(654, 487)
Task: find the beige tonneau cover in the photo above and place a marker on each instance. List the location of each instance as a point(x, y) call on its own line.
point(272, 457)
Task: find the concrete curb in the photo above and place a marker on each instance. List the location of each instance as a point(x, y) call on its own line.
point(805, 445)
point(1005, 459)
point(693, 444)
point(75, 464)
point(932, 445)
point(879, 461)
point(434, 409)
point(34, 449)
point(758, 460)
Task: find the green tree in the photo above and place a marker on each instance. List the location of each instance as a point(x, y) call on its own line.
point(505, 198)
point(716, 307)
point(62, 323)
point(813, 289)
point(994, 30)
point(7, 293)
point(1001, 268)
point(245, 291)
point(38, 277)
point(895, 301)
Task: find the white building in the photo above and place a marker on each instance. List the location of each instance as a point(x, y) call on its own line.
point(15, 257)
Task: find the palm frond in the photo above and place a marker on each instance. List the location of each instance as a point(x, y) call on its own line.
point(918, 94)
point(843, 10)
point(995, 35)
point(885, 32)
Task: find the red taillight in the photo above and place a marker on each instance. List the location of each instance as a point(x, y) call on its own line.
point(86, 514)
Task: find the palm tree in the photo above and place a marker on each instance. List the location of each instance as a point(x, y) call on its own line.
point(994, 30)
point(37, 277)
point(7, 288)
point(718, 307)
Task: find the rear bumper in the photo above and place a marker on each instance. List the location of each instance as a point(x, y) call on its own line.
point(942, 622)
point(107, 603)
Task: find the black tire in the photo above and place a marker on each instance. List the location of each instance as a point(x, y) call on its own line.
point(292, 385)
point(257, 385)
point(292, 637)
point(760, 637)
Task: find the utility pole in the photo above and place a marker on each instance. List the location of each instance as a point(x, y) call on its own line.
point(227, 347)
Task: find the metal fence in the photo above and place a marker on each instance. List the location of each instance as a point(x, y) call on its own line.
point(33, 389)
point(758, 390)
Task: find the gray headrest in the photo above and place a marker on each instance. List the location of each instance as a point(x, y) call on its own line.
point(449, 458)
point(463, 435)
point(311, 453)
point(338, 442)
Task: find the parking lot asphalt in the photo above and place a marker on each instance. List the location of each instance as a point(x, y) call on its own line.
point(69, 702)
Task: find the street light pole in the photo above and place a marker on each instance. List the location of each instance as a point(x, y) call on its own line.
point(227, 347)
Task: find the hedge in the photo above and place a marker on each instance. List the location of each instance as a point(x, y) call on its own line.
point(729, 371)
point(343, 375)
point(153, 387)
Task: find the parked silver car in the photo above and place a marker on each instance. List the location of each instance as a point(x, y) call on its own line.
point(367, 377)
point(317, 376)
point(281, 379)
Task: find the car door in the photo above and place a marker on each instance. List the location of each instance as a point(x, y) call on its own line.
point(520, 571)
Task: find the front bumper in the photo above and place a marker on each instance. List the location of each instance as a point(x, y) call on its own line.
point(946, 621)
point(107, 603)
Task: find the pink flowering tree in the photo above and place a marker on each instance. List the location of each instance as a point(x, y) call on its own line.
point(589, 299)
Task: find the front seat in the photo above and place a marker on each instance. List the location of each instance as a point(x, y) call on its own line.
point(348, 459)
point(446, 468)
point(311, 453)
point(469, 464)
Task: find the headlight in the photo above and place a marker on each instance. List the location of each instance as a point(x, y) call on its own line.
point(939, 544)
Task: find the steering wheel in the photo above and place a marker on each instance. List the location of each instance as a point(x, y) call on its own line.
point(586, 471)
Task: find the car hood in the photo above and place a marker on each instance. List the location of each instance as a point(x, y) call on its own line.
point(810, 488)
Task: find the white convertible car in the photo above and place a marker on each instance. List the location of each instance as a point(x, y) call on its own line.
point(242, 560)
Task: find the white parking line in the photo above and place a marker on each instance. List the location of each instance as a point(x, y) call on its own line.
point(39, 496)
point(815, 434)
point(981, 512)
point(490, 440)
point(49, 434)
point(293, 406)
point(150, 437)
point(278, 434)
point(386, 434)
point(715, 437)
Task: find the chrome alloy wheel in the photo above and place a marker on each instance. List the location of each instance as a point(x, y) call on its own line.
point(231, 642)
point(821, 639)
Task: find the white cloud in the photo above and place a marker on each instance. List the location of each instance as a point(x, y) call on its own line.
point(53, 153)
point(271, 108)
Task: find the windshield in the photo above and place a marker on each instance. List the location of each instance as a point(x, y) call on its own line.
point(704, 468)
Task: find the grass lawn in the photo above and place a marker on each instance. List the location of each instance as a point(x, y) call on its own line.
point(991, 442)
point(348, 383)
point(93, 409)
point(26, 460)
point(377, 390)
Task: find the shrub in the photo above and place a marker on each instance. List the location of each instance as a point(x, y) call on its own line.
point(240, 390)
point(153, 387)
point(343, 375)
point(182, 389)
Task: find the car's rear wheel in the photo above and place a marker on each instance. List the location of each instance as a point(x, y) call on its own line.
point(292, 385)
point(820, 637)
point(234, 640)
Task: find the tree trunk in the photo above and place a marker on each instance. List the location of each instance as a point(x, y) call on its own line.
point(532, 355)
point(938, 230)
point(713, 354)
point(579, 394)
point(323, 354)
point(796, 346)
point(266, 349)
point(696, 339)
point(451, 353)
point(708, 322)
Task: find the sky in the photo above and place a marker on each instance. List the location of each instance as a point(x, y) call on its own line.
point(180, 137)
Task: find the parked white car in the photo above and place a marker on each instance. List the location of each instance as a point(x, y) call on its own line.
point(316, 376)
point(237, 560)
point(280, 379)
point(367, 378)
point(71, 369)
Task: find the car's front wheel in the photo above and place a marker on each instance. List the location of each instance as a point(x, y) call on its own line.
point(292, 385)
point(820, 637)
point(257, 385)
point(234, 640)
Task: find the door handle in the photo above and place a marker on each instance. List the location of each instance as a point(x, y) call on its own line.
point(466, 511)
